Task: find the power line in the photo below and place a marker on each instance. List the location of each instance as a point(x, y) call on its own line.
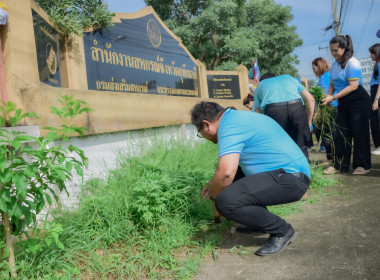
point(314, 43)
point(344, 13)
point(323, 40)
point(347, 12)
point(308, 32)
point(365, 25)
point(341, 10)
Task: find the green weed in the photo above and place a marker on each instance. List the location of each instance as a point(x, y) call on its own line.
point(145, 220)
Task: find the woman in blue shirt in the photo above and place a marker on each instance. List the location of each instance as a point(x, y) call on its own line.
point(322, 70)
point(354, 109)
point(375, 95)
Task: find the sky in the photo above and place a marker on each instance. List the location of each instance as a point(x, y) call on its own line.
point(311, 17)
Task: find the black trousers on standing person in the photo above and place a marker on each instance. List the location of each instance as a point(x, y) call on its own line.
point(292, 117)
point(245, 200)
point(374, 119)
point(352, 123)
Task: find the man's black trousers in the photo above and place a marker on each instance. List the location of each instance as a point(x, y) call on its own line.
point(245, 200)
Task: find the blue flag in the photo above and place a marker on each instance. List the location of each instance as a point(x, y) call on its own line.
point(254, 74)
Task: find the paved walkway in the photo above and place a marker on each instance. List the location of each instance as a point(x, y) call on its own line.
point(338, 238)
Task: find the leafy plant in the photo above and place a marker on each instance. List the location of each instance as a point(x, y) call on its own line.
point(39, 238)
point(76, 16)
point(324, 117)
point(317, 92)
point(30, 167)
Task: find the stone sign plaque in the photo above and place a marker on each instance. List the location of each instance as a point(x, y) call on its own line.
point(139, 56)
point(223, 86)
point(367, 70)
point(47, 51)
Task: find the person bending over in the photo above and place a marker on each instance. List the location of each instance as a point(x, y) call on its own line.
point(282, 98)
point(254, 170)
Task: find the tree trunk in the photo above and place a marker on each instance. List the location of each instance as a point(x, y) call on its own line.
point(8, 239)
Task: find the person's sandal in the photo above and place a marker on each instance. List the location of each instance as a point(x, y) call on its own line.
point(360, 171)
point(327, 162)
point(330, 170)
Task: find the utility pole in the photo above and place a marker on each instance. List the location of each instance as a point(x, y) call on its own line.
point(327, 53)
point(336, 20)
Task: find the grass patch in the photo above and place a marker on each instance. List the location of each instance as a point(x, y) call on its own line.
point(146, 220)
point(316, 190)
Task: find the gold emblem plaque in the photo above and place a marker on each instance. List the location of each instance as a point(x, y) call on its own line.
point(51, 59)
point(154, 33)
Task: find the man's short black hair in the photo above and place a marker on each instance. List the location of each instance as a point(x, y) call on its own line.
point(209, 111)
point(267, 76)
point(248, 99)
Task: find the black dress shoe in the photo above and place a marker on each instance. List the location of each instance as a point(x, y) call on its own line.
point(245, 229)
point(276, 244)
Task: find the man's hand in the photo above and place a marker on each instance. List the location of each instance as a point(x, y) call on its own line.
point(223, 177)
point(217, 215)
point(309, 101)
point(206, 192)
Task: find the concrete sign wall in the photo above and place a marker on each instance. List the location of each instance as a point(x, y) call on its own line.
point(136, 75)
point(139, 55)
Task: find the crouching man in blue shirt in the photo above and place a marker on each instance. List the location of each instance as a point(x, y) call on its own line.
point(259, 165)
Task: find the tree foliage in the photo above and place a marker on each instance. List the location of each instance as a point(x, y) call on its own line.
point(76, 16)
point(225, 33)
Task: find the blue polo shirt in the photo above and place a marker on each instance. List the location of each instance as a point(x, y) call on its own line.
point(340, 77)
point(324, 82)
point(277, 89)
point(373, 80)
point(261, 142)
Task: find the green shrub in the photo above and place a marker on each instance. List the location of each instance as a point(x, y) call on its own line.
point(30, 167)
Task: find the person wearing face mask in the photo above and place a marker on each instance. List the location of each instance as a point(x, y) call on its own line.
point(354, 106)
